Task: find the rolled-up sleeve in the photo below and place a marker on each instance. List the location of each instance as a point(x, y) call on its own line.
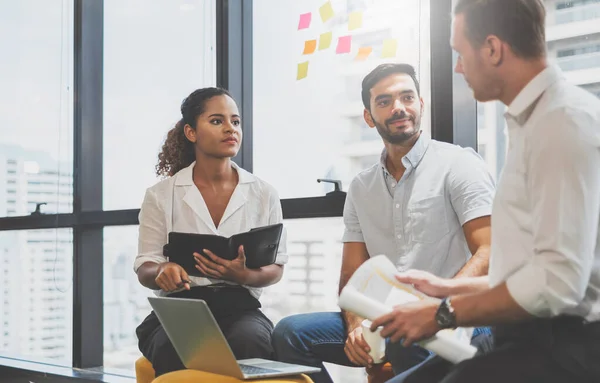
point(563, 185)
point(352, 230)
point(152, 232)
point(471, 187)
point(276, 216)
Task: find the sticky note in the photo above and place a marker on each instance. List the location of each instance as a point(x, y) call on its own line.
point(309, 47)
point(325, 40)
point(363, 53)
point(302, 70)
point(326, 11)
point(390, 46)
point(344, 44)
point(355, 20)
point(304, 20)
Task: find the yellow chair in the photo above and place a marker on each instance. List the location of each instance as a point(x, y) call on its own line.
point(144, 373)
point(194, 376)
point(380, 373)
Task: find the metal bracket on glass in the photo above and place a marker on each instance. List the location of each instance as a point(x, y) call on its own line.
point(37, 208)
point(337, 187)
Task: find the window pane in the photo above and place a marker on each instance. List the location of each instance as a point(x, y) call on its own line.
point(314, 126)
point(311, 277)
point(492, 138)
point(573, 37)
point(155, 54)
point(125, 299)
point(36, 124)
point(36, 301)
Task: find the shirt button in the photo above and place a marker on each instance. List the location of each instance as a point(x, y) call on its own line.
point(397, 205)
point(399, 236)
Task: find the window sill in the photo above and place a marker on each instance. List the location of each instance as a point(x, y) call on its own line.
point(17, 371)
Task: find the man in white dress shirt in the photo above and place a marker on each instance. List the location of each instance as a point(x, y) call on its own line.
point(543, 290)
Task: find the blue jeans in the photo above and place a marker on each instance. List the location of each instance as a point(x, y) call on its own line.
point(434, 368)
point(311, 339)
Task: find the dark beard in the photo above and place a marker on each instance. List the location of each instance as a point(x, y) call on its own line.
point(396, 138)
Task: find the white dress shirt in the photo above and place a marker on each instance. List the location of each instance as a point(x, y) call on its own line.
point(545, 238)
point(418, 221)
point(176, 204)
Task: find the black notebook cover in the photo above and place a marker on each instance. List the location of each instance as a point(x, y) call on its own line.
point(260, 246)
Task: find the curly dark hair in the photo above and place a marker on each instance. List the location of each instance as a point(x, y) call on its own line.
point(178, 152)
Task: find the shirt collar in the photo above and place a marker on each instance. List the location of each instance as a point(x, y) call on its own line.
point(185, 175)
point(413, 157)
point(521, 107)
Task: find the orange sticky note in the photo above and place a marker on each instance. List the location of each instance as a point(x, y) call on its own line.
point(302, 70)
point(304, 20)
point(344, 44)
point(363, 53)
point(355, 20)
point(390, 46)
point(326, 11)
point(309, 47)
point(325, 40)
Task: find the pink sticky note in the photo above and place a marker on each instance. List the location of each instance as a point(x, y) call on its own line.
point(344, 44)
point(304, 20)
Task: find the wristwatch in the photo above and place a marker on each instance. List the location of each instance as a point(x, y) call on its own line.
point(445, 316)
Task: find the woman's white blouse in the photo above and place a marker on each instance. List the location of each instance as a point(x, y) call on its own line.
point(176, 204)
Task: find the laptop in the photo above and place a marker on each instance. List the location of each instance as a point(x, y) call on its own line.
point(201, 345)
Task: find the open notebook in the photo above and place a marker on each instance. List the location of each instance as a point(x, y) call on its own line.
point(260, 246)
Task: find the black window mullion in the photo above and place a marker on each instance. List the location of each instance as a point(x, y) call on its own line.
point(453, 108)
point(234, 64)
point(87, 184)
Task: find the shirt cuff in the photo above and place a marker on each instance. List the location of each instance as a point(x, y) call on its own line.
point(141, 259)
point(353, 236)
point(526, 286)
point(474, 213)
point(281, 259)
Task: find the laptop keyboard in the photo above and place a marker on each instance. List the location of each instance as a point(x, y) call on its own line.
point(253, 370)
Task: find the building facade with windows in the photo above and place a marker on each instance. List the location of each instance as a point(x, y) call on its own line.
point(36, 272)
point(573, 37)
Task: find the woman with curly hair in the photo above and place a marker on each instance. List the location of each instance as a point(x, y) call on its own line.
point(205, 192)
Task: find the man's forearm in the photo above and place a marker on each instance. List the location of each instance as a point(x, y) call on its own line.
point(489, 307)
point(462, 286)
point(478, 264)
point(350, 320)
point(354, 255)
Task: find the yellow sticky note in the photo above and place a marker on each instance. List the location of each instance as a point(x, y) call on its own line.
point(302, 70)
point(309, 47)
point(325, 40)
point(390, 46)
point(326, 11)
point(363, 53)
point(355, 20)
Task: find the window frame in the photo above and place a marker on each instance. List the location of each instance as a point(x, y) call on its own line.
point(453, 112)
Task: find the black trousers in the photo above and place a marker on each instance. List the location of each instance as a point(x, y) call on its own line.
point(558, 350)
point(246, 328)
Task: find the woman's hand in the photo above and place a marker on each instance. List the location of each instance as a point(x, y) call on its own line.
point(172, 277)
point(219, 268)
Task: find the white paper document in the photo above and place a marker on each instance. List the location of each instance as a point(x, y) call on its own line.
point(373, 291)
